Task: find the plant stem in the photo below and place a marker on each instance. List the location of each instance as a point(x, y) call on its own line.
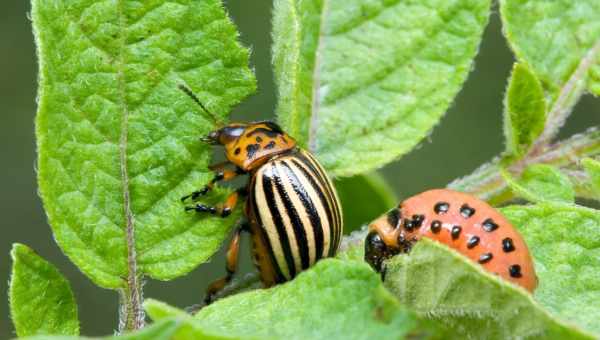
point(487, 183)
point(567, 97)
point(131, 314)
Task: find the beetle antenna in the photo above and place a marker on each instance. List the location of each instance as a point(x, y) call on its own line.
point(195, 98)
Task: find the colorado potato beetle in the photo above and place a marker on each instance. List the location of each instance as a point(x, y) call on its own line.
point(292, 211)
point(460, 221)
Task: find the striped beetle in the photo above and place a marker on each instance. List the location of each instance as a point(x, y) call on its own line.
point(292, 211)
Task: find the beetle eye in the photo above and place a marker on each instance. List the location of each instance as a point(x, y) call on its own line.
point(229, 133)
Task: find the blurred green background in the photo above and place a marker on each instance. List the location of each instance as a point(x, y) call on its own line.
point(469, 135)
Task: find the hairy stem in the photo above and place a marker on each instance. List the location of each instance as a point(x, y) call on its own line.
point(568, 96)
point(487, 183)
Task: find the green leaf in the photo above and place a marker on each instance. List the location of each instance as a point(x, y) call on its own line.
point(524, 110)
point(487, 183)
point(592, 168)
point(362, 82)
point(333, 300)
point(556, 38)
point(41, 300)
point(542, 183)
point(565, 243)
point(443, 285)
point(118, 141)
point(163, 329)
point(169, 328)
point(363, 198)
point(190, 328)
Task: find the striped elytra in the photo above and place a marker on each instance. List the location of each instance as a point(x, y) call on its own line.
point(296, 214)
point(292, 210)
point(463, 223)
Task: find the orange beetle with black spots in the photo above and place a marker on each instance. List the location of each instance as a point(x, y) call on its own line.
point(460, 221)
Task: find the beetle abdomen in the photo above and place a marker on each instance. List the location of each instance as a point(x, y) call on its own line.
point(296, 208)
point(460, 221)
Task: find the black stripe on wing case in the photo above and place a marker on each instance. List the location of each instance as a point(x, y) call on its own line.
point(328, 188)
point(279, 275)
point(311, 210)
point(320, 187)
point(278, 222)
point(292, 214)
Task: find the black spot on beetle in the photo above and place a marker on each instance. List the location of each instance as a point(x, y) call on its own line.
point(436, 226)
point(486, 257)
point(473, 242)
point(258, 139)
point(441, 207)
point(515, 271)
point(418, 220)
point(393, 217)
point(409, 225)
point(270, 145)
point(267, 132)
point(489, 225)
point(251, 149)
point(466, 211)
point(237, 151)
point(273, 126)
point(455, 232)
point(507, 245)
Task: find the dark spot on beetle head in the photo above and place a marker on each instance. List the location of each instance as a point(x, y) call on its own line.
point(237, 151)
point(441, 207)
point(261, 130)
point(436, 226)
point(515, 271)
point(409, 225)
point(270, 145)
point(507, 245)
point(251, 150)
point(455, 232)
point(489, 225)
point(466, 211)
point(258, 139)
point(393, 218)
point(418, 220)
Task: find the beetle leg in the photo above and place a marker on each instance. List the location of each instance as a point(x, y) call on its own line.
point(223, 209)
point(230, 266)
point(221, 174)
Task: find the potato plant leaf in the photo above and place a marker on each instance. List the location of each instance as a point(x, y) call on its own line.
point(168, 328)
point(333, 300)
point(560, 41)
point(363, 198)
point(557, 39)
point(542, 183)
point(524, 110)
point(443, 285)
point(565, 243)
point(592, 168)
point(362, 82)
point(118, 141)
point(41, 300)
